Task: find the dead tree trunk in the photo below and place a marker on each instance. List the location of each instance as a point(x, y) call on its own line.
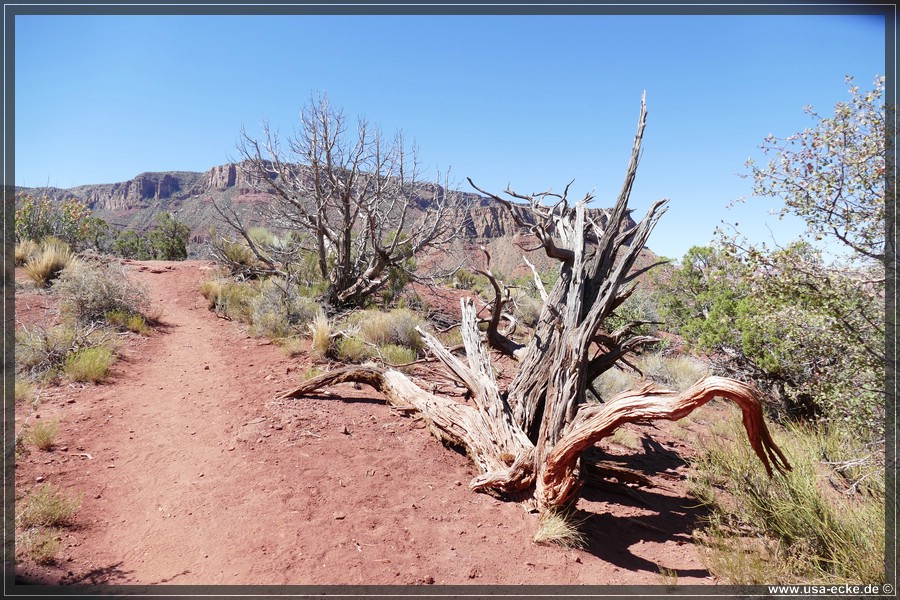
point(532, 435)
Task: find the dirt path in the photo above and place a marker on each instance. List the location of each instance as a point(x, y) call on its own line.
point(191, 474)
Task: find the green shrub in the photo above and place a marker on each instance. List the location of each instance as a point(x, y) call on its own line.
point(89, 365)
point(40, 218)
point(806, 531)
point(89, 291)
point(47, 506)
point(124, 321)
point(279, 309)
point(352, 349)
point(41, 352)
point(230, 298)
point(48, 263)
point(396, 355)
point(395, 327)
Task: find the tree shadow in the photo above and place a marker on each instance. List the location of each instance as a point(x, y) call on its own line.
point(110, 574)
point(610, 537)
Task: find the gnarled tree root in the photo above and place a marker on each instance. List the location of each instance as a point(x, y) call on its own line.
point(558, 482)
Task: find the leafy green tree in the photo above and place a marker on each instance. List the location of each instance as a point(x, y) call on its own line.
point(808, 330)
point(833, 175)
point(131, 244)
point(169, 238)
point(97, 235)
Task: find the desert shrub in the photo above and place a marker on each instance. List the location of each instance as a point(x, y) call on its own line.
point(230, 298)
point(279, 309)
point(293, 346)
point(678, 372)
point(124, 321)
point(464, 279)
point(47, 506)
point(24, 250)
point(39, 218)
point(527, 309)
point(804, 529)
point(49, 262)
point(89, 365)
point(396, 355)
point(41, 544)
point(91, 290)
point(42, 434)
point(41, 352)
point(133, 245)
point(395, 327)
point(237, 256)
point(613, 381)
point(353, 349)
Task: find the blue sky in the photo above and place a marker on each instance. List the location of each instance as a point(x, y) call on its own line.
point(529, 101)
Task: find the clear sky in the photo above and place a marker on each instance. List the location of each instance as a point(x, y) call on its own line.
point(529, 101)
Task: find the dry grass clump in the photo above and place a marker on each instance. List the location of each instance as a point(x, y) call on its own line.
point(797, 527)
point(39, 515)
point(47, 506)
point(293, 346)
point(89, 365)
point(678, 372)
point(395, 327)
point(321, 329)
point(42, 434)
point(41, 544)
point(48, 262)
point(560, 528)
point(41, 352)
point(25, 250)
point(24, 391)
point(123, 321)
point(612, 382)
point(627, 438)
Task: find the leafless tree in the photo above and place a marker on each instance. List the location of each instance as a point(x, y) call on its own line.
point(535, 434)
point(353, 201)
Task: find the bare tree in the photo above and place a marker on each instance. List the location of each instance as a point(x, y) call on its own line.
point(353, 200)
point(534, 434)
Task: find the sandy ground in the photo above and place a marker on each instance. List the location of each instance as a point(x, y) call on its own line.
point(190, 473)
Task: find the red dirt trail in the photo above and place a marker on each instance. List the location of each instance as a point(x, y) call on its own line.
point(190, 473)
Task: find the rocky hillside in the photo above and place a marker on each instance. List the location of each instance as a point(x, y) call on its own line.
point(189, 196)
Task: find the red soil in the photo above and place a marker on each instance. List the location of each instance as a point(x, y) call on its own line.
point(190, 473)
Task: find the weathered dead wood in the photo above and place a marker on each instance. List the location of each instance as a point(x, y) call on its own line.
point(534, 433)
point(559, 482)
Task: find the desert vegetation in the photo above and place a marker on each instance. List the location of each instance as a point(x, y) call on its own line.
point(550, 367)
